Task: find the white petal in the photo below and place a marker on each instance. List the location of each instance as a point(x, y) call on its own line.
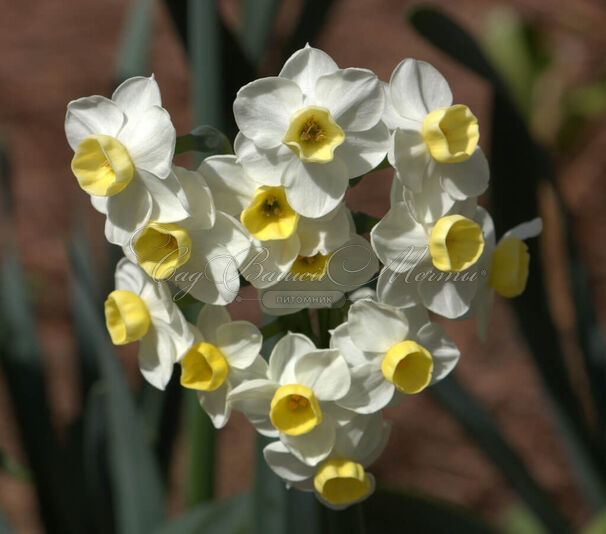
point(253, 399)
point(363, 151)
point(198, 198)
point(315, 189)
point(305, 66)
point(257, 369)
point(210, 319)
point(232, 189)
point(169, 203)
point(137, 95)
point(353, 96)
point(398, 239)
point(369, 391)
point(315, 446)
point(340, 340)
point(411, 158)
point(352, 264)
point(129, 276)
point(450, 299)
point(418, 88)
point(92, 115)
point(265, 166)
point(127, 212)
point(240, 342)
point(263, 108)
point(99, 203)
point(150, 141)
point(325, 372)
point(268, 261)
point(232, 235)
point(215, 405)
point(465, 179)
point(525, 230)
point(375, 327)
point(432, 202)
point(397, 289)
point(284, 464)
point(391, 117)
point(361, 437)
point(324, 234)
point(444, 352)
point(284, 355)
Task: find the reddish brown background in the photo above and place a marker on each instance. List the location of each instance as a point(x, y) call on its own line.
point(52, 52)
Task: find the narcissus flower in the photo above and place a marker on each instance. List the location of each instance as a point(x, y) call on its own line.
point(341, 479)
point(297, 399)
point(140, 309)
point(200, 254)
point(123, 151)
point(434, 143)
point(224, 354)
point(310, 129)
point(506, 264)
point(281, 236)
point(390, 350)
point(433, 264)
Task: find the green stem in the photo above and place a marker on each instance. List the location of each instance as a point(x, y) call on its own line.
point(201, 453)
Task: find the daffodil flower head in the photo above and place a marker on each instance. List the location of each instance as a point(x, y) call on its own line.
point(140, 309)
point(314, 126)
point(123, 151)
point(224, 354)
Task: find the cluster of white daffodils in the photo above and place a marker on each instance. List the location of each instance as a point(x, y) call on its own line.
point(273, 216)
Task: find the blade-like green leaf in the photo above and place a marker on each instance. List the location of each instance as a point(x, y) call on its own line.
point(229, 516)
point(597, 525)
point(59, 496)
point(258, 17)
point(389, 512)
point(461, 404)
point(137, 490)
point(13, 468)
point(520, 520)
point(133, 52)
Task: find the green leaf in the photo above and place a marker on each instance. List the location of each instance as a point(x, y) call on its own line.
point(229, 516)
point(133, 52)
point(137, 490)
point(461, 404)
point(390, 512)
point(258, 17)
point(200, 432)
point(13, 468)
point(520, 520)
point(597, 525)
point(204, 139)
point(364, 222)
point(59, 497)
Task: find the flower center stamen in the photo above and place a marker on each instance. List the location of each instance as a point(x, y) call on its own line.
point(126, 317)
point(204, 368)
point(455, 244)
point(408, 366)
point(269, 215)
point(295, 410)
point(451, 133)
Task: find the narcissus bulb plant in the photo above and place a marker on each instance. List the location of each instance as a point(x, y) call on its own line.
point(272, 215)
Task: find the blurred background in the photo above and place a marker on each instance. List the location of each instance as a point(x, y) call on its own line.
point(546, 62)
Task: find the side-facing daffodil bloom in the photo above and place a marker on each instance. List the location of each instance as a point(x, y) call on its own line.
point(281, 236)
point(224, 354)
point(506, 264)
point(436, 264)
point(123, 151)
point(296, 401)
point(434, 143)
point(391, 351)
point(311, 128)
point(140, 309)
point(341, 479)
point(200, 254)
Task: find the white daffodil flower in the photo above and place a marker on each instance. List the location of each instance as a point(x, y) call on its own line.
point(321, 280)
point(200, 254)
point(390, 351)
point(224, 354)
point(123, 150)
point(434, 143)
point(310, 129)
point(341, 479)
point(296, 401)
point(140, 309)
point(437, 264)
point(506, 264)
point(281, 236)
